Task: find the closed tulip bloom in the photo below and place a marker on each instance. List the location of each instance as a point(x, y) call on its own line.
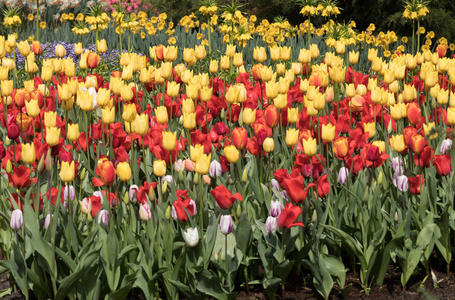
point(108, 115)
point(103, 97)
point(77, 48)
point(418, 143)
point(380, 145)
point(370, 128)
point(443, 97)
point(293, 115)
point(340, 147)
point(353, 57)
point(414, 113)
point(188, 55)
point(249, 116)
point(240, 137)
point(127, 93)
point(73, 132)
point(292, 137)
point(144, 212)
point(337, 74)
point(173, 89)
point(170, 53)
point(161, 115)
point(123, 171)
point(189, 120)
point(101, 46)
point(17, 219)
point(203, 164)
point(105, 169)
point(93, 59)
point(230, 50)
point(275, 53)
point(32, 107)
point(231, 153)
point(166, 70)
point(314, 51)
point(28, 155)
point(67, 172)
point(141, 124)
point(4, 73)
point(85, 100)
point(36, 47)
point(129, 113)
point(52, 136)
point(224, 62)
point(215, 170)
point(64, 92)
point(451, 116)
point(268, 145)
point(328, 132)
point(60, 51)
point(191, 237)
point(271, 224)
point(24, 48)
point(196, 152)
point(200, 52)
point(397, 143)
point(304, 56)
point(281, 101)
point(83, 60)
point(169, 140)
point(259, 54)
point(271, 89)
point(159, 168)
point(68, 105)
point(309, 146)
point(50, 118)
point(86, 206)
point(226, 224)
point(21, 97)
point(266, 73)
point(46, 73)
point(271, 116)
point(213, 67)
point(238, 60)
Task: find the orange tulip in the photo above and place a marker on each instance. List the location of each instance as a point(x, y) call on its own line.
point(418, 143)
point(105, 169)
point(21, 96)
point(414, 113)
point(271, 116)
point(340, 147)
point(93, 59)
point(240, 137)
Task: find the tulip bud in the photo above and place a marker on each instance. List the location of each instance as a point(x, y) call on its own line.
point(366, 194)
point(144, 212)
point(48, 160)
point(244, 176)
point(40, 166)
point(126, 198)
point(47, 221)
point(83, 174)
point(314, 217)
point(239, 211)
point(17, 219)
point(69, 193)
point(191, 237)
point(226, 224)
point(343, 175)
point(152, 194)
point(9, 166)
point(103, 216)
point(271, 225)
point(275, 209)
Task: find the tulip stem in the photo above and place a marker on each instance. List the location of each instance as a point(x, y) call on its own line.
point(226, 261)
point(87, 136)
point(201, 203)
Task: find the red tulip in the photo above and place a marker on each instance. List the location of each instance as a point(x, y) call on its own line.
point(182, 205)
point(224, 197)
point(415, 183)
point(418, 143)
point(442, 164)
point(21, 177)
point(323, 186)
point(288, 216)
point(294, 186)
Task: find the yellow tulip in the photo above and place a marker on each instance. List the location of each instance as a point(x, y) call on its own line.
point(129, 113)
point(292, 137)
point(28, 155)
point(108, 115)
point(67, 172)
point(52, 136)
point(203, 164)
point(309, 146)
point(123, 171)
point(169, 140)
point(161, 115)
point(196, 152)
point(159, 168)
point(73, 132)
point(231, 153)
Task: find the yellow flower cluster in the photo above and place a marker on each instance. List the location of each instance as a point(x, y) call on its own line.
point(414, 13)
point(208, 11)
point(12, 21)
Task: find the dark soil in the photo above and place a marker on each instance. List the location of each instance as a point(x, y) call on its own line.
point(391, 289)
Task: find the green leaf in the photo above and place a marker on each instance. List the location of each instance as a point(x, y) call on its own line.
point(19, 269)
point(210, 285)
point(82, 268)
point(243, 233)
